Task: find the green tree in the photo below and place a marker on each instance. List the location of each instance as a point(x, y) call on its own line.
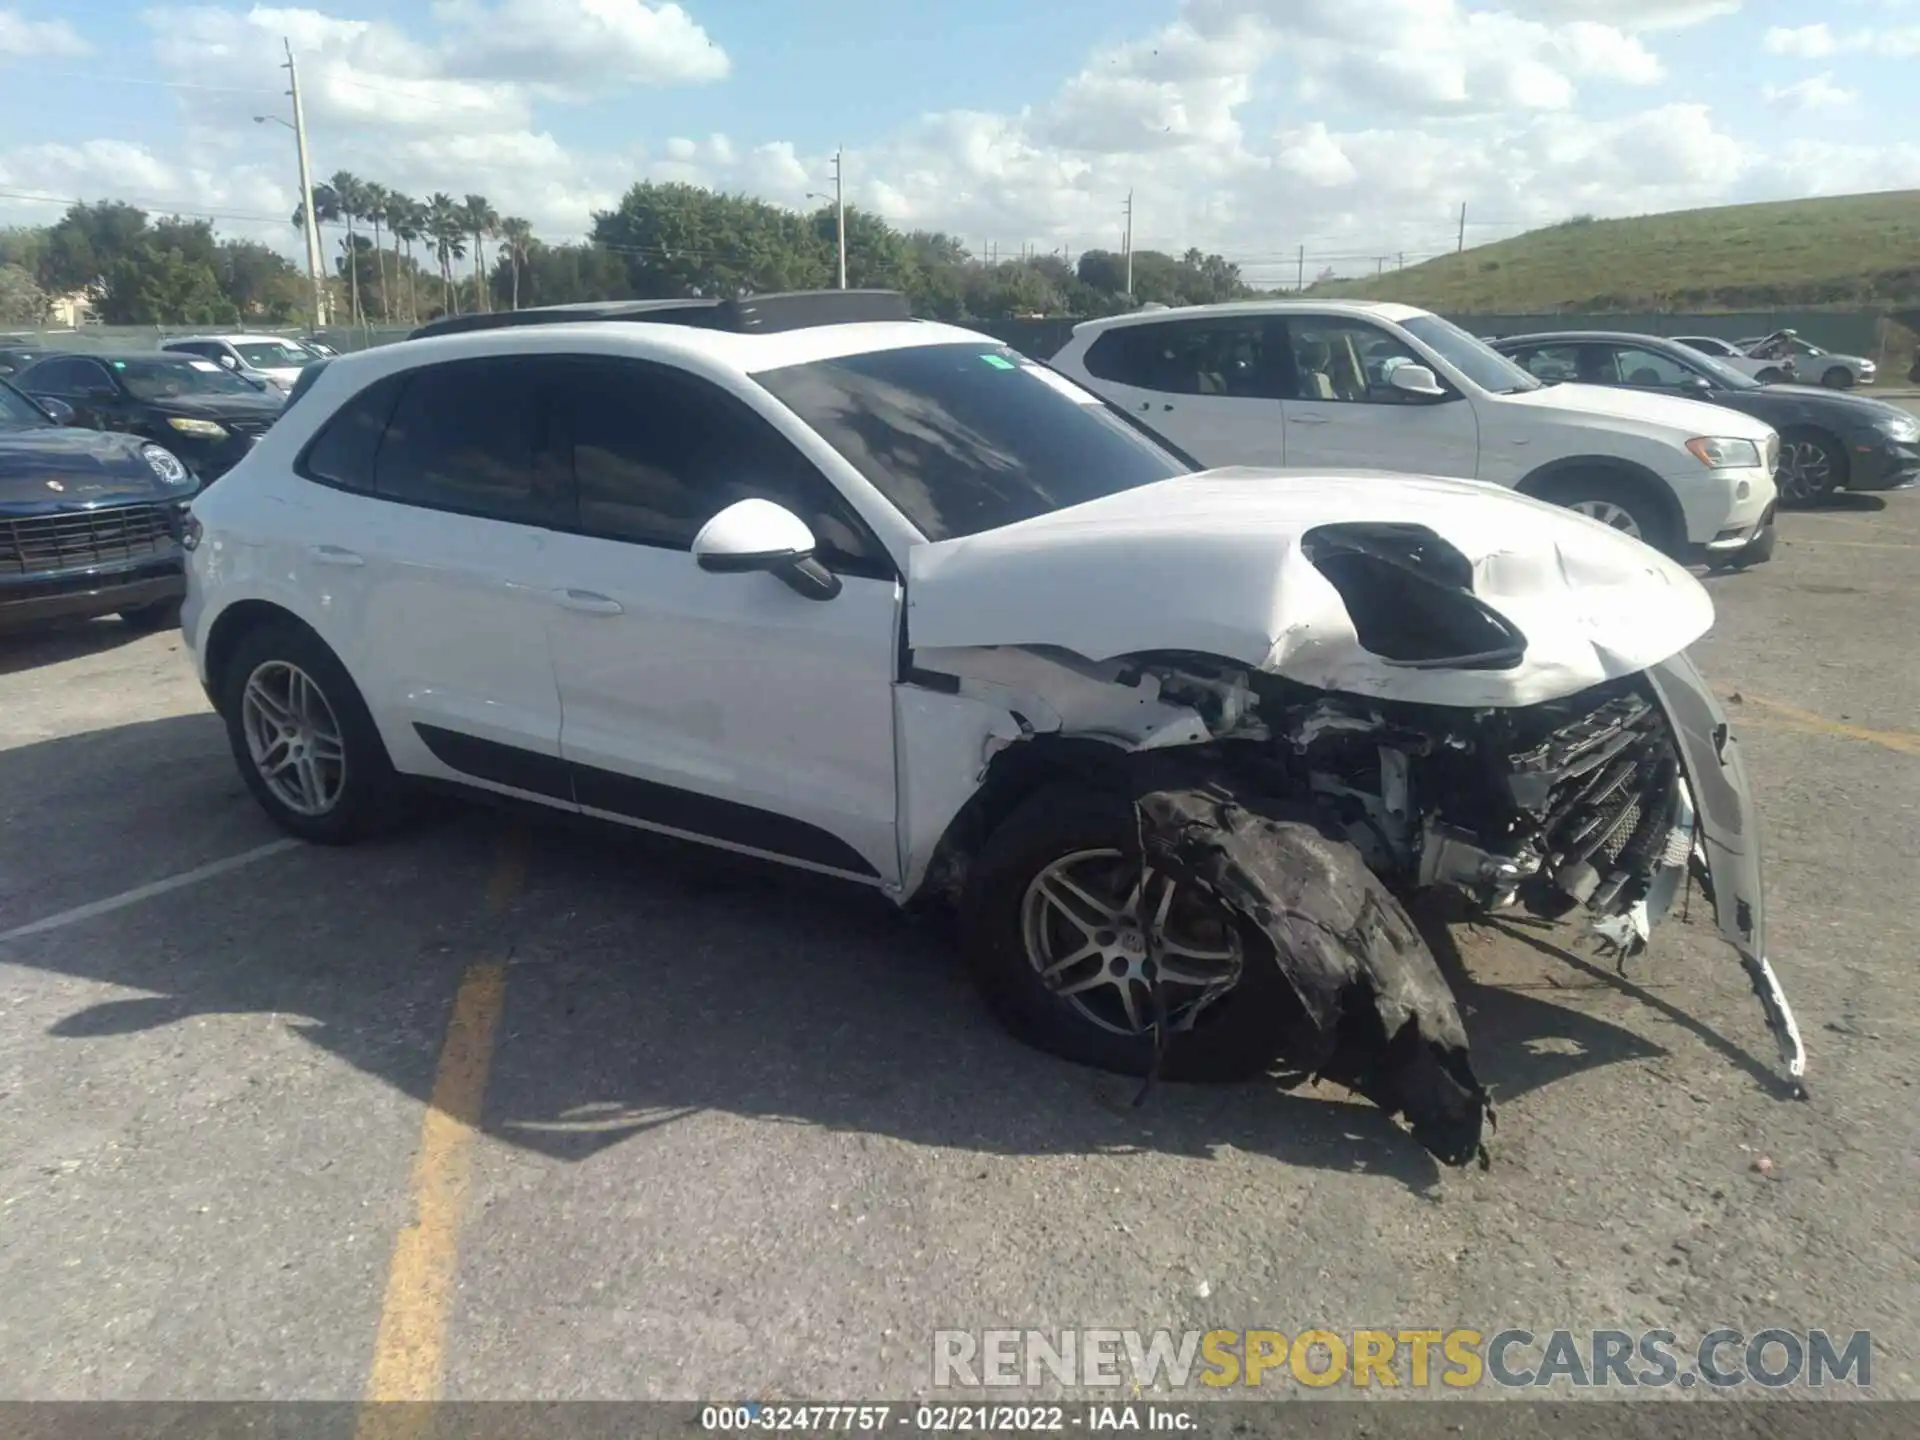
point(350, 196)
point(684, 240)
point(157, 286)
point(446, 227)
point(376, 198)
point(479, 219)
point(407, 223)
point(22, 301)
point(88, 242)
point(517, 244)
point(258, 281)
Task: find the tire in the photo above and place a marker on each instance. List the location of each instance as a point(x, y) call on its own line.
point(161, 615)
point(1771, 377)
point(1838, 377)
point(1813, 464)
point(1617, 503)
point(1235, 1037)
point(359, 788)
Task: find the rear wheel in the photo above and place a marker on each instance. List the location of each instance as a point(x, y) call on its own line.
point(303, 739)
point(1056, 922)
point(1619, 504)
point(1838, 377)
point(1812, 466)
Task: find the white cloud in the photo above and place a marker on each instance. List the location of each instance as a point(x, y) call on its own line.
point(1809, 42)
point(21, 37)
point(1637, 14)
point(1817, 42)
point(565, 45)
point(1816, 92)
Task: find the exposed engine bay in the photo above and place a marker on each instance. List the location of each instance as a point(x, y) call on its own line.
point(1581, 808)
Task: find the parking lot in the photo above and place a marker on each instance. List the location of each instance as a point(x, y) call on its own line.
point(497, 1110)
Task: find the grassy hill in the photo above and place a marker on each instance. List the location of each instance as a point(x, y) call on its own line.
point(1844, 250)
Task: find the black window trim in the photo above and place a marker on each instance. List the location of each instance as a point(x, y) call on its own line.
point(881, 568)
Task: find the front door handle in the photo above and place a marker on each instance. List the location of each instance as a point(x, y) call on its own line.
point(1306, 419)
point(334, 555)
point(588, 602)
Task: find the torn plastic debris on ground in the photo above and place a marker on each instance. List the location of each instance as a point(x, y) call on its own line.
point(1375, 1013)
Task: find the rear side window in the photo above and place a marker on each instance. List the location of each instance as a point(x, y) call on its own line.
point(465, 436)
point(343, 452)
point(1238, 356)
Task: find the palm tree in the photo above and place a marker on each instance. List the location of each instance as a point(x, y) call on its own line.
point(376, 199)
point(447, 227)
point(518, 237)
point(480, 220)
point(351, 192)
point(406, 222)
point(326, 208)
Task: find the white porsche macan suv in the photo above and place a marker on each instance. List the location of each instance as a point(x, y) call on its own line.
point(805, 578)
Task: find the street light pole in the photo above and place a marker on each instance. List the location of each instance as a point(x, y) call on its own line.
point(840, 208)
point(306, 194)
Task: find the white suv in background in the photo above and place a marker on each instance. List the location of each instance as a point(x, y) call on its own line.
point(1338, 385)
point(264, 359)
point(805, 578)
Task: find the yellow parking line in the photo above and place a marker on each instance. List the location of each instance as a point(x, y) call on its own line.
point(1790, 717)
point(410, 1349)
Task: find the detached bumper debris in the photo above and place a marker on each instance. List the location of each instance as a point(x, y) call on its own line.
point(1374, 1014)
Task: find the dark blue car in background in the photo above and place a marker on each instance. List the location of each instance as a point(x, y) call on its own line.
point(90, 521)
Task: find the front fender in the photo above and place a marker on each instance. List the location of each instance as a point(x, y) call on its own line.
point(1729, 835)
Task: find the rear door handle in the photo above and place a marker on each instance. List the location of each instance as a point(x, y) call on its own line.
point(588, 602)
point(1306, 419)
point(334, 555)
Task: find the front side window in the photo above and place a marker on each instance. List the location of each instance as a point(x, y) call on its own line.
point(1347, 360)
point(70, 377)
point(465, 437)
point(1650, 370)
point(658, 452)
point(1553, 364)
point(969, 437)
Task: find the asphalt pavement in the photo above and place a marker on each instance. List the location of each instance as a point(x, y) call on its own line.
point(494, 1110)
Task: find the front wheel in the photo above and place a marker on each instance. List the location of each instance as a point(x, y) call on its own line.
point(1772, 377)
point(301, 734)
point(1811, 467)
point(1618, 504)
point(1838, 377)
point(1056, 921)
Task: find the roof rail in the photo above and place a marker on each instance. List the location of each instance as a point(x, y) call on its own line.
point(749, 315)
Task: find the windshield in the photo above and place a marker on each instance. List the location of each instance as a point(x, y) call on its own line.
point(1471, 356)
point(17, 412)
point(970, 437)
point(159, 379)
point(273, 355)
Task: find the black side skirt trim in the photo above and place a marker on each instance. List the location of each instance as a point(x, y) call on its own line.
point(637, 799)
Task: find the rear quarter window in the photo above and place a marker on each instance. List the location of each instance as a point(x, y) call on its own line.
point(343, 453)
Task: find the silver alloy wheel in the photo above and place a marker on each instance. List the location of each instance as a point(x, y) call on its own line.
point(293, 738)
point(1805, 470)
point(1614, 517)
point(1084, 921)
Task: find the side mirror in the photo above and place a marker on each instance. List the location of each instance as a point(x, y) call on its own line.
point(759, 535)
point(1416, 380)
point(58, 411)
point(229, 362)
point(1697, 385)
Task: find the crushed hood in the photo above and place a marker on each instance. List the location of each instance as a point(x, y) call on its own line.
point(1223, 563)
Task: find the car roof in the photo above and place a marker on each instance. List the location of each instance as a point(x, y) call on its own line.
point(224, 339)
point(1354, 309)
point(112, 355)
point(743, 354)
point(1562, 337)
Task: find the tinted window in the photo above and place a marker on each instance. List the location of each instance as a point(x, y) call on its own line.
point(272, 355)
point(463, 437)
point(343, 452)
point(965, 438)
point(64, 377)
point(657, 453)
point(1348, 360)
point(167, 376)
point(1470, 355)
point(19, 413)
point(1554, 363)
point(192, 347)
point(1232, 356)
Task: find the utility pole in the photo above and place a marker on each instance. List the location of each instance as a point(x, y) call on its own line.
point(1127, 247)
point(840, 207)
point(1300, 281)
point(1462, 245)
point(1379, 265)
point(1402, 263)
point(312, 225)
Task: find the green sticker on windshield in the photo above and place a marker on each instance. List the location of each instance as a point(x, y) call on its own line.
point(999, 362)
point(119, 364)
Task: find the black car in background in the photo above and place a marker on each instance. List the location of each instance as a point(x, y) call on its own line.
point(90, 523)
point(1829, 439)
point(15, 358)
point(191, 406)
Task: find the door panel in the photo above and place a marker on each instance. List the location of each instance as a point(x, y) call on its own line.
point(730, 706)
point(1344, 414)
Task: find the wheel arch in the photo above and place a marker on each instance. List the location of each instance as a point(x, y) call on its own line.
point(1627, 472)
point(232, 625)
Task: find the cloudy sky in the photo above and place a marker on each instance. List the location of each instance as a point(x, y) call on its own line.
point(1352, 127)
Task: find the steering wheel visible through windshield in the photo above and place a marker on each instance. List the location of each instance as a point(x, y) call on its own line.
point(1470, 355)
point(969, 437)
point(159, 379)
